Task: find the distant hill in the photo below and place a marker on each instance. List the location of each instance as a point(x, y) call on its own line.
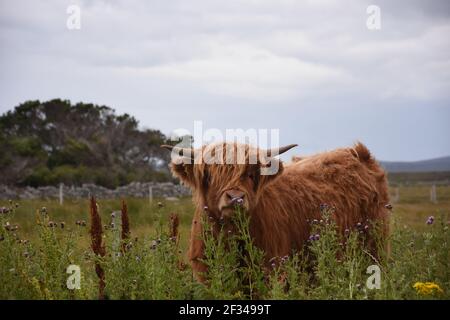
point(431, 165)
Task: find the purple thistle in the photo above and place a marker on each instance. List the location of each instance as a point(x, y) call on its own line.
point(430, 220)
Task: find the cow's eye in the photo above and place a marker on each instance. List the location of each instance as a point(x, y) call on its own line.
point(251, 175)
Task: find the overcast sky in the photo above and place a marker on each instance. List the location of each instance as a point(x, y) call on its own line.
point(309, 68)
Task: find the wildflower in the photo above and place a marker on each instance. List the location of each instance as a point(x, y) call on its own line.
point(113, 215)
point(125, 224)
point(153, 245)
point(113, 225)
point(323, 206)
point(430, 220)
point(26, 254)
point(160, 204)
point(63, 224)
point(358, 225)
point(205, 208)
point(96, 244)
point(347, 231)
point(51, 224)
point(273, 265)
point(43, 210)
point(427, 288)
point(366, 227)
point(388, 206)
point(83, 223)
point(315, 221)
point(16, 205)
point(316, 237)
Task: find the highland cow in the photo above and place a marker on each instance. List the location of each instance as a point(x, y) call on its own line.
point(281, 204)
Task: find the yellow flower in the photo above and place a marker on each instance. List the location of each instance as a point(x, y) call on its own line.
point(427, 288)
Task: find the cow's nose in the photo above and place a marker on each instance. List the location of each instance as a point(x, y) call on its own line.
point(235, 197)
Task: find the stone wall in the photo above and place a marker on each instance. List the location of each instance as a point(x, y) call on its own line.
point(135, 189)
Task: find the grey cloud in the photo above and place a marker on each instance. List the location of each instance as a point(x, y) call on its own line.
point(247, 63)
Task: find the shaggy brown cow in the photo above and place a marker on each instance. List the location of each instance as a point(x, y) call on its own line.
point(280, 205)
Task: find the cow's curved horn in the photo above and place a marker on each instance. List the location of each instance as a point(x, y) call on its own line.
point(186, 152)
point(277, 151)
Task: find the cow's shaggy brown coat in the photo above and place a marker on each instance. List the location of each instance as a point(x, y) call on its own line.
point(349, 179)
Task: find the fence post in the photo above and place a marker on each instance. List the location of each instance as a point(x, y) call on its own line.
point(433, 197)
point(397, 194)
point(150, 194)
point(61, 196)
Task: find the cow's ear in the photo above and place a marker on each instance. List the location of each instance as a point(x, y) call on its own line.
point(184, 172)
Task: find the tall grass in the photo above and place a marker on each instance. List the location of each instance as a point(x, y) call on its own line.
point(153, 265)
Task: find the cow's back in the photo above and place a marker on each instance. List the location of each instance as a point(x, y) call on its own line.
point(348, 179)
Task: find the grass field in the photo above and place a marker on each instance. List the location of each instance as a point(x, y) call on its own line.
point(34, 258)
